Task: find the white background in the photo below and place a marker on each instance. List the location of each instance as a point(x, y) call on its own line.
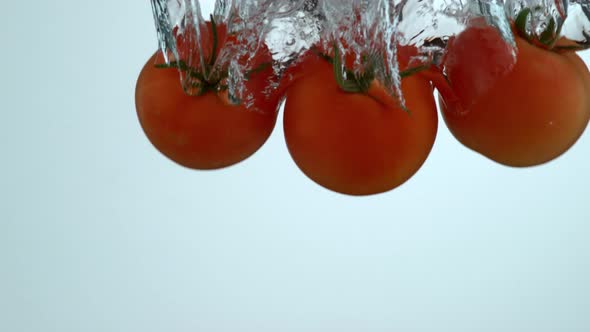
point(99, 232)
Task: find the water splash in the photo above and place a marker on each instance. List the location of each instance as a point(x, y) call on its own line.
point(360, 29)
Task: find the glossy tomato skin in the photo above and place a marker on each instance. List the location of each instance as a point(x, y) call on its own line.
point(198, 132)
point(351, 143)
point(523, 115)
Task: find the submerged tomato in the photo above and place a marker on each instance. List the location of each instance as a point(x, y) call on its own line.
point(206, 131)
point(520, 114)
point(357, 143)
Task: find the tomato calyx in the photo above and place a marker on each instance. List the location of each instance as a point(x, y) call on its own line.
point(361, 83)
point(207, 79)
point(200, 82)
point(546, 39)
point(353, 82)
point(550, 37)
point(366, 82)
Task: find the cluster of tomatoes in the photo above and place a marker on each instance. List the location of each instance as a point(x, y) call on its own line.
point(349, 135)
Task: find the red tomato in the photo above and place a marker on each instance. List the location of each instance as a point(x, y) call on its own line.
point(205, 131)
point(520, 114)
point(357, 143)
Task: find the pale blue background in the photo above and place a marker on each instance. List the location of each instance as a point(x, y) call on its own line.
point(99, 232)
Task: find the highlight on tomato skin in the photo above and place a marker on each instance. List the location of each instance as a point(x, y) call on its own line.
point(208, 130)
point(527, 115)
point(354, 143)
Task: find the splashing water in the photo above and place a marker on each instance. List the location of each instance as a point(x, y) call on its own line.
point(360, 29)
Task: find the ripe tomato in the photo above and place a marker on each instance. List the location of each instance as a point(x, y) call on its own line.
point(205, 131)
point(517, 114)
point(357, 143)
